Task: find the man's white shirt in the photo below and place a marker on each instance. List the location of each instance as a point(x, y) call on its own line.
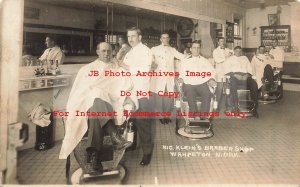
point(196, 64)
point(278, 54)
point(258, 65)
point(164, 58)
point(220, 55)
point(237, 64)
point(139, 58)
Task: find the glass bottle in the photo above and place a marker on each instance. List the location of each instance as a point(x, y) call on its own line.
point(215, 102)
point(130, 132)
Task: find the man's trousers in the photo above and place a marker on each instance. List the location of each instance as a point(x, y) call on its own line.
point(193, 91)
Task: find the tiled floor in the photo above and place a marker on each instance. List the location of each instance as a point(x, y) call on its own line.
point(275, 158)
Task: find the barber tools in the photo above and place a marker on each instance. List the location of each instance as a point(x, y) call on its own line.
point(39, 71)
point(52, 68)
point(47, 68)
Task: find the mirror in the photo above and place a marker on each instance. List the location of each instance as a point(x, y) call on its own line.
point(71, 44)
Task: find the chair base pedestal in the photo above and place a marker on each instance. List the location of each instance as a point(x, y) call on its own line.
point(196, 129)
point(116, 176)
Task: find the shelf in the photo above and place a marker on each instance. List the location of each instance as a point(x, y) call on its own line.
point(44, 82)
point(282, 33)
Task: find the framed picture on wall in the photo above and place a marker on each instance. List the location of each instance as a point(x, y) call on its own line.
point(273, 19)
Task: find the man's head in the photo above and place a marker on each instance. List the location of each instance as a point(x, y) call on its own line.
point(196, 47)
point(134, 36)
point(50, 41)
point(121, 41)
point(104, 52)
point(222, 42)
point(165, 38)
point(275, 43)
point(238, 51)
point(261, 49)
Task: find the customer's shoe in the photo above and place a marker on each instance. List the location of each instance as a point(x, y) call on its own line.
point(167, 120)
point(94, 166)
point(162, 121)
point(96, 163)
point(146, 160)
point(119, 142)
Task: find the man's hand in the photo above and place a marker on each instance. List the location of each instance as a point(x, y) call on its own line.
point(212, 83)
point(129, 104)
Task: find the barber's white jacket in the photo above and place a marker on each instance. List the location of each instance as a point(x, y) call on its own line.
point(139, 58)
point(278, 54)
point(258, 65)
point(196, 64)
point(164, 58)
point(237, 64)
point(54, 53)
point(220, 55)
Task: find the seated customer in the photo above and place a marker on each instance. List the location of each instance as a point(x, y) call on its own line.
point(197, 85)
point(96, 94)
point(239, 69)
point(261, 67)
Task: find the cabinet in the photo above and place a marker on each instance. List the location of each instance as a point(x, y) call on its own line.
point(282, 33)
point(42, 82)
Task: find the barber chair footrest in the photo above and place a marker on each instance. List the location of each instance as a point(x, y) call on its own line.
point(198, 126)
point(105, 173)
point(110, 177)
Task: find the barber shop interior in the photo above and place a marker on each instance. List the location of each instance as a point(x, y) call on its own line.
point(107, 92)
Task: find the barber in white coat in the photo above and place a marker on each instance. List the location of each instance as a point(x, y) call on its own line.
point(220, 54)
point(139, 58)
point(164, 56)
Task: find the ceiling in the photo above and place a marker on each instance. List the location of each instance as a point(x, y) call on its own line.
point(258, 3)
point(101, 6)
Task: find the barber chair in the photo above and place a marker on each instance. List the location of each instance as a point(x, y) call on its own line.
point(271, 93)
point(113, 171)
point(191, 127)
point(245, 103)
